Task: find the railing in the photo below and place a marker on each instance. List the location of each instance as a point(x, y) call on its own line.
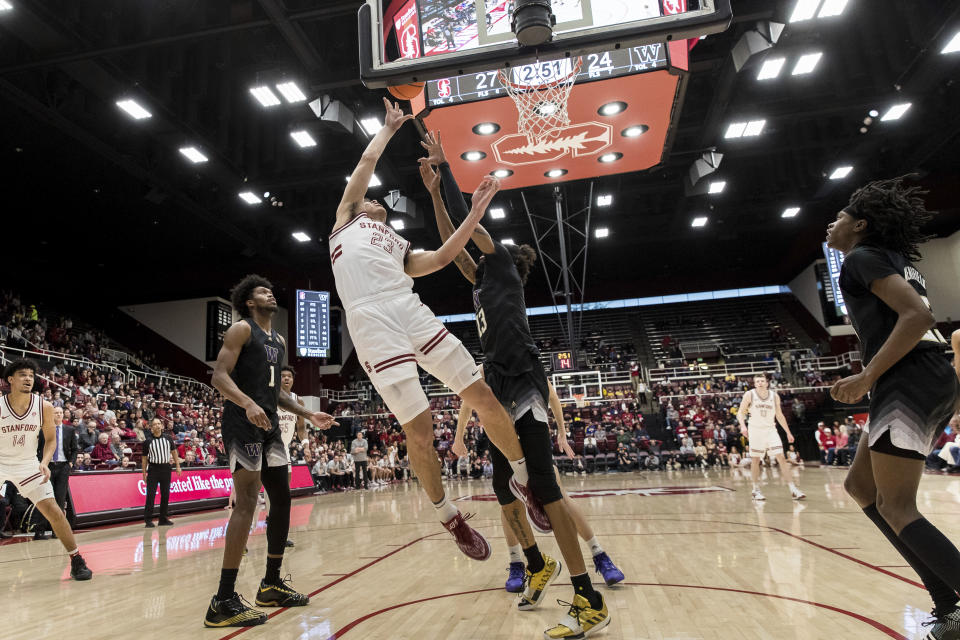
point(739, 393)
point(66, 358)
point(345, 395)
point(795, 353)
point(712, 370)
point(149, 398)
point(136, 375)
point(827, 363)
point(4, 361)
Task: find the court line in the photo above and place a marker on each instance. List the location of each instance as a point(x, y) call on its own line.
point(339, 633)
point(340, 579)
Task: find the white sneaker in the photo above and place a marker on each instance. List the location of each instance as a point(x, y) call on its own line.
point(757, 495)
point(796, 494)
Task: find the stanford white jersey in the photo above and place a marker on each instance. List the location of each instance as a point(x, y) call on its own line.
point(288, 425)
point(763, 412)
point(367, 261)
point(20, 434)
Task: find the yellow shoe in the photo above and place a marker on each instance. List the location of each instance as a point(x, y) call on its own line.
point(581, 620)
point(536, 583)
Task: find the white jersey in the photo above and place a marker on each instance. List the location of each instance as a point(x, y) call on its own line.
point(288, 426)
point(20, 434)
point(367, 259)
point(762, 412)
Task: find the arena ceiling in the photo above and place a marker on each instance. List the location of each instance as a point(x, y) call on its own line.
point(103, 209)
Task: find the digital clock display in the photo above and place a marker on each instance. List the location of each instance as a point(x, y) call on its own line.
point(563, 361)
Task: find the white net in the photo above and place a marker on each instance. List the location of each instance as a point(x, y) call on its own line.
point(541, 92)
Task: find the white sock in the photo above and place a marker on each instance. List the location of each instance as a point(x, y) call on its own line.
point(756, 487)
point(445, 510)
point(516, 553)
point(594, 545)
point(793, 487)
point(73, 553)
point(520, 470)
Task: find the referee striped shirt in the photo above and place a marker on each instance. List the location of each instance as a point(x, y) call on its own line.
point(158, 450)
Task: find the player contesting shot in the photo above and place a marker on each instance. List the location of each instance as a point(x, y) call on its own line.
point(247, 374)
point(513, 370)
point(913, 389)
point(23, 415)
point(393, 331)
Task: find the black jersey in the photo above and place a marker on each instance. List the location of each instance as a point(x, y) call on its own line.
point(257, 372)
point(501, 312)
point(871, 317)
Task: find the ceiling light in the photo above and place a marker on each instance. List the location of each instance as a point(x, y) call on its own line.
point(954, 45)
point(699, 221)
point(804, 10)
point(807, 63)
point(371, 125)
point(502, 173)
point(610, 157)
point(771, 68)
point(754, 128)
point(264, 96)
point(841, 172)
point(735, 130)
point(717, 187)
point(5, 6)
point(498, 213)
point(374, 181)
point(634, 131)
point(601, 232)
point(249, 197)
point(193, 155)
point(555, 173)
point(134, 110)
point(303, 138)
point(507, 241)
point(291, 92)
point(300, 236)
point(266, 194)
point(874, 113)
point(605, 200)
point(832, 8)
point(486, 128)
point(896, 112)
point(612, 108)
point(473, 156)
point(790, 212)
point(397, 224)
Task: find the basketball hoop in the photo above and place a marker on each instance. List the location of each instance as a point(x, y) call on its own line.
point(578, 398)
point(541, 91)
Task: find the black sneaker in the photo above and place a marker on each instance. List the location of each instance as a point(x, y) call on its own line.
point(79, 569)
point(39, 535)
point(280, 595)
point(149, 524)
point(944, 626)
point(165, 523)
point(234, 611)
point(289, 543)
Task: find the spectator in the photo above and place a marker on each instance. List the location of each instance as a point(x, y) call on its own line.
point(321, 476)
point(793, 457)
point(935, 461)
point(829, 442)
point(842, 441)
point(104, 452)
point(88, 437)
point(359, 448)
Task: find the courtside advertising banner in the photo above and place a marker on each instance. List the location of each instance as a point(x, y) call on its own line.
point(112, 491)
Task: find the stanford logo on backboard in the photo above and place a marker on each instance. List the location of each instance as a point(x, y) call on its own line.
point(576, 140)
point(443, 88)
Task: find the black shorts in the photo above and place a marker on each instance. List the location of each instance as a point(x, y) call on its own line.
point(912, 402)
point(247, 445)
point(537, 449)
point(521, 393)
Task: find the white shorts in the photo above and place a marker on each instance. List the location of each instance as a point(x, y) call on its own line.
point(765, 440)
point(393, 336)
point(27, 477)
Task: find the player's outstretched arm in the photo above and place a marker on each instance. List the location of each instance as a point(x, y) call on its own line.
point(464, 261)
point(421, 264)
point(360, 179)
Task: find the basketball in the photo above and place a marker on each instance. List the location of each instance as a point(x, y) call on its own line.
point(406, 91)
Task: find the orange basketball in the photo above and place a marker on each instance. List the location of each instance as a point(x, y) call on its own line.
point(406, 91)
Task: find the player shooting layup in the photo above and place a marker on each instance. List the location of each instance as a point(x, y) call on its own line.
point(394, 332)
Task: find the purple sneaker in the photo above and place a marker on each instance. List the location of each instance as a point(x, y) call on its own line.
point(535, 512)
point(605, 567)
point(515, 579)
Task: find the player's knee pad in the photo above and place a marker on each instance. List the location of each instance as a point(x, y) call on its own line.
point(276, 483)
point(501, 487)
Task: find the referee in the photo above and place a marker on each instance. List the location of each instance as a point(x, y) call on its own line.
point(156, 470)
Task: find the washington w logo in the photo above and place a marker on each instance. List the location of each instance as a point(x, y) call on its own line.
point(272, 353)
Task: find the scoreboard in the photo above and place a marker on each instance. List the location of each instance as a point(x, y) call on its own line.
point(563, 361)
point(313, 324)
point(596, 66)
point(834, 263)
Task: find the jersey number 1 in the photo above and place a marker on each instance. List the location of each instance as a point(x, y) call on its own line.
point(273, 371)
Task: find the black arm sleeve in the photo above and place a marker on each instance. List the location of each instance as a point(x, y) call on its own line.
point(456, 204)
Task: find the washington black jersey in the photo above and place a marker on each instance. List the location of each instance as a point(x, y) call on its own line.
point(257, 373)
point(498, 301)
point(871, 317)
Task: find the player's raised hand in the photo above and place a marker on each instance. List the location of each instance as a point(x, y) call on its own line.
point(431, 179)
point(394, 117)
point(484, 194)
point(431, 142)
point(257, 416)
point(322, 421)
